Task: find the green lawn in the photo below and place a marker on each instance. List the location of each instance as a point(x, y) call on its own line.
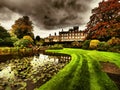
point(83, 72)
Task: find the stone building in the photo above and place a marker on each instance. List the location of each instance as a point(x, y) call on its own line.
point(74, 34)
point(52, 38)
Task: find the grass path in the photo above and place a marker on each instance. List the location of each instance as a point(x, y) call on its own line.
point(83, 72)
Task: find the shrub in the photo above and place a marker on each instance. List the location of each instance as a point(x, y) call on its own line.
point(14, 39)
point(5, 50)
point(114, 41)
point(114, 44)
point(40, 42)
point(28, 38)
point(67, 45)
point(93, 44)
point(23, 43)
point(56, 46)
point(14, 50)
point(114, 48)
point(85, 44)
point(102, 46)
point(76, 44)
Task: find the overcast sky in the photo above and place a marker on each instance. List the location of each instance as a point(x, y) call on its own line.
point(48, 16)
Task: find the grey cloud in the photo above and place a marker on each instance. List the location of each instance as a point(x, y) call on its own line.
point(5, 16)
point(49, 14)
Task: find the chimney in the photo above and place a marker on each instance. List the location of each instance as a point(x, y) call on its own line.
point(55, 33)
point(76, 27)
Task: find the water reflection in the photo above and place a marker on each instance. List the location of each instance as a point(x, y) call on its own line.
point(7, 73)
point(30, 72)
point(42, 59)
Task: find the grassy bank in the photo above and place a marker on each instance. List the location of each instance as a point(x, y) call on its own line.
point(83, 72)
point(14, 50)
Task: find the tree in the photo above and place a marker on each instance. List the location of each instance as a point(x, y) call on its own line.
point(3, 33)
point(105, 21)
point(23, 26)
point(5, 39)
point(37, 38)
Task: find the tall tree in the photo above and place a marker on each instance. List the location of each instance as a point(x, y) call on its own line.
point(105, 21)
point(5, 39)
point(3, 33)
point(37, 38)
point(22, 27)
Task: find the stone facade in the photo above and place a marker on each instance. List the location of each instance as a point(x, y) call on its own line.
point(73, 34)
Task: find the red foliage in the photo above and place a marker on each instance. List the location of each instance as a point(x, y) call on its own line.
point(105, 21)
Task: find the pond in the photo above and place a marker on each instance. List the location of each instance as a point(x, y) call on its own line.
point(29, 73)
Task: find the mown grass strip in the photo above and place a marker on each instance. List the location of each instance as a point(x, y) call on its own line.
point(63, 79)
point(86, 75)
point(82, 77)
point(112, 57)
point(102, 78)
point(94, 85)
point(106, 57)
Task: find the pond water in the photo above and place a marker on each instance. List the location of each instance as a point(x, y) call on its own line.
point(29, 73)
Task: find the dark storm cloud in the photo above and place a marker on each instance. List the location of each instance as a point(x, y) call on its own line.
point(48, 14)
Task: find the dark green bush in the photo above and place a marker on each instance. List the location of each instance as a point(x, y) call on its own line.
point(114, 48)
point(86, 44)
point(102, 46)
point(67, 45)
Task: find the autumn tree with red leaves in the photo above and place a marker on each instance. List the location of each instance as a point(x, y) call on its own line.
point(105, 21)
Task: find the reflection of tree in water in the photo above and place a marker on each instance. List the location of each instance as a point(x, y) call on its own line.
point(25, 75)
